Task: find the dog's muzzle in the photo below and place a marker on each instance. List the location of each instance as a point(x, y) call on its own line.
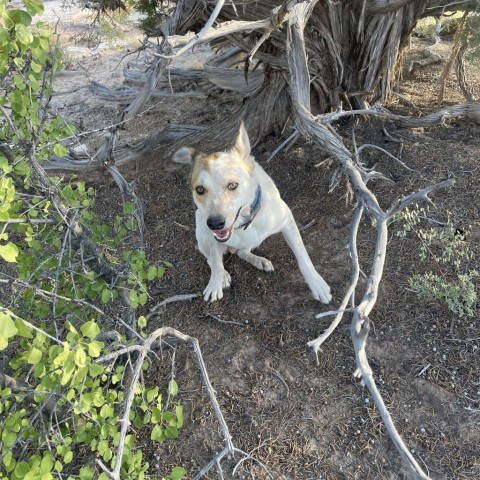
point(217, 224)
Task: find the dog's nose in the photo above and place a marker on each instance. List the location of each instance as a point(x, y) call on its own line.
point(216, 223)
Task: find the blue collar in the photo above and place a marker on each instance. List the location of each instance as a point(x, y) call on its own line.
point(254, 208)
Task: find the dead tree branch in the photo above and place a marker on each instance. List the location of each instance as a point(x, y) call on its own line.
point(143, 351)
point(307, 124)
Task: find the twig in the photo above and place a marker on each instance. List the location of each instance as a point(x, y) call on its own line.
point(218, 319)
point(424, 369)
point(285, 384)
point(33, 221)
point(30, 325)
point(376, 147)
point(248, 456)
point(282, 145)
point(175, 298)
point(307, 226)
point(315, 344)
point(333, 312)
point(421, 195)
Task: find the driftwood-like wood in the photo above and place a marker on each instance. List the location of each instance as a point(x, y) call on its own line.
point(352, 49)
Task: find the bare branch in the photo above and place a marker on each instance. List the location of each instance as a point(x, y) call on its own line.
point(200, 35)
point(421, 195)
point(175, 298)
point(348, 297)
point(307, 125)
point(143, 351)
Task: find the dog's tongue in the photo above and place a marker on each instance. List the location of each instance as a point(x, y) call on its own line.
point(222, 235)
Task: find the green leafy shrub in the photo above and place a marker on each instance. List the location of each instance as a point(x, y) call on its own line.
point(460, 296)
point(66, 271)
point(449, 249)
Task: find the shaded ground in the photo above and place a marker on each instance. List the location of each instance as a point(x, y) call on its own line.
point(300, 420)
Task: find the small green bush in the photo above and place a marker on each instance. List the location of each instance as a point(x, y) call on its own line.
point(449, 249)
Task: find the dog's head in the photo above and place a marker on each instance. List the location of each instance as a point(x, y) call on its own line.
point(222, 184)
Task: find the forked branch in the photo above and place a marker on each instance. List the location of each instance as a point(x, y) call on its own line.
point(310, 127)
point(142, 351)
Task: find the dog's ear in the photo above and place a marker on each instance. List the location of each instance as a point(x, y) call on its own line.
point(242, 144)
point(184, 156)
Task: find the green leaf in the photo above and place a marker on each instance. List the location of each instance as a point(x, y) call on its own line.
point(80, 357)
point(68, 457)
point(171, 432)
point(90, 329)
point(106, 295)
point(128, 208)
point(9, 252)
point(157, 434)
point(106, 411)
point(133, 295)
point(19, 17)
point(142, 322)
point(95, 349)
point(179, 415)
point(21, 469)
point(86, 473)
point(95, 370)
point(7, 329)
point(4, 165)
point(23, 328)
point(177, 473)
point(59, 150)
point(22, 167)
point(142, 298)
point(151, 394)
point(34, 356)
point(34, 7)
point(23, 35)
point(156, 414)
point(172, 388)
point(9, 461)
point(152, 272)
point(167, 416)
point(46, 464)
point(8, 438)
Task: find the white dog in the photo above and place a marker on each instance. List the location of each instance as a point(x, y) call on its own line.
point(238, 207)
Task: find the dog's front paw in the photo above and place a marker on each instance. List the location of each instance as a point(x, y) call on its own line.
point(214, 289)
point(258, 262)
point(320, 289)
point(212, 292)
point(262, 263)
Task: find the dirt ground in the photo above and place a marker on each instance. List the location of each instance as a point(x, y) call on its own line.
point(297, 419)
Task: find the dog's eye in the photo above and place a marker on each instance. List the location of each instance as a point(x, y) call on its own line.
point(232, 186)
point(200, 190)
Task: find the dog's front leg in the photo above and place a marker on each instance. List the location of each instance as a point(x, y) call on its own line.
point(219, 278)
point(318, 286)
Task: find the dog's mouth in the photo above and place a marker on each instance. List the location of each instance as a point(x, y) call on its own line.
point(223, 235)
